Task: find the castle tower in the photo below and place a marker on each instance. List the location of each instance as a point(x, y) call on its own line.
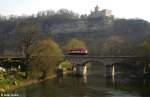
point(96, 8)
point(100, 13)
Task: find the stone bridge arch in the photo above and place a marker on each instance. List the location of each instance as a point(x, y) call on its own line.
point(109, 61)
point(108, 70)
point(90, 61)
point(96, 67)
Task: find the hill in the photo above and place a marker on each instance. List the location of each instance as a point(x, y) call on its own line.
point(103, 35)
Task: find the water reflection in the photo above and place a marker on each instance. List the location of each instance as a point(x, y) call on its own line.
point(95, 86)
point(113, 74)
point(92, 85)
point(85, 79)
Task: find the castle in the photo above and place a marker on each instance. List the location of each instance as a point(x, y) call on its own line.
point(95, 20)
point(100, 13)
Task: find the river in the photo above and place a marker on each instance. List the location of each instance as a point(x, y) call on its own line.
point(93, 85)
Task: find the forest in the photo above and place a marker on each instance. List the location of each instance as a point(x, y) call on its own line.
point(105, 36)
point(49, 33)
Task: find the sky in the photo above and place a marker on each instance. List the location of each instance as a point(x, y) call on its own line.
point(120, 8)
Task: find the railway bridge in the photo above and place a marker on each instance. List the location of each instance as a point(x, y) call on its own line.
point(79, 62)
point(110, 62)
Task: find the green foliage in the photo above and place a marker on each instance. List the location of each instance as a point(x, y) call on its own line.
point(1, 76)
point(7, 81)
point(47, 56)
point(75, 43)
point(66, 65)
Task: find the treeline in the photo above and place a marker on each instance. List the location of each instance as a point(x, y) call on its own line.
point(103, 35)
point(10, 26)
point(123, 37)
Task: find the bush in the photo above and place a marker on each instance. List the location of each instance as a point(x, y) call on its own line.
point(66, 65)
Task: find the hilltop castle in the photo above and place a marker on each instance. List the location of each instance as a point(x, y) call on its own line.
point(100, 13)
point(97, 19)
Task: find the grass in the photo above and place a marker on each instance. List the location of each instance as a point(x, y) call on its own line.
point(7, 79)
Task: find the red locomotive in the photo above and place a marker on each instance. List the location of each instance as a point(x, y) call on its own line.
point(78, 51)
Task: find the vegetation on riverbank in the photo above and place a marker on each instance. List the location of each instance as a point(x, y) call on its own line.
point(30, 38)
point(9, 80)
point(47, 57)
point(12, 82)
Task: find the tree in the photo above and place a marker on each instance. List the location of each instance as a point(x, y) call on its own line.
point(67, 14)
point(113, 46)
point(144, 49)
point(75, 43)
point(47, 56)
point(27, 35)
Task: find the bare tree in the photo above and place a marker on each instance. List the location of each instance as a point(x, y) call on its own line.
point(28, 35)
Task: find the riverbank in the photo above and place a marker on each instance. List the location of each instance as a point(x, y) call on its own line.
point(27, 82)
point(22, 83)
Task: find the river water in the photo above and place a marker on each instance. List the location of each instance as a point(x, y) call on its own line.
point(87, 86)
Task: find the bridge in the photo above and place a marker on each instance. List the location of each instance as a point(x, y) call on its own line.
point(110, 62)
point(106, 60)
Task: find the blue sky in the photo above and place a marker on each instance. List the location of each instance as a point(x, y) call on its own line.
point(120, 8)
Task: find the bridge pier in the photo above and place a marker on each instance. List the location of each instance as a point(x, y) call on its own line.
point(80, 70)
point(110, 72)
point(145, 68)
